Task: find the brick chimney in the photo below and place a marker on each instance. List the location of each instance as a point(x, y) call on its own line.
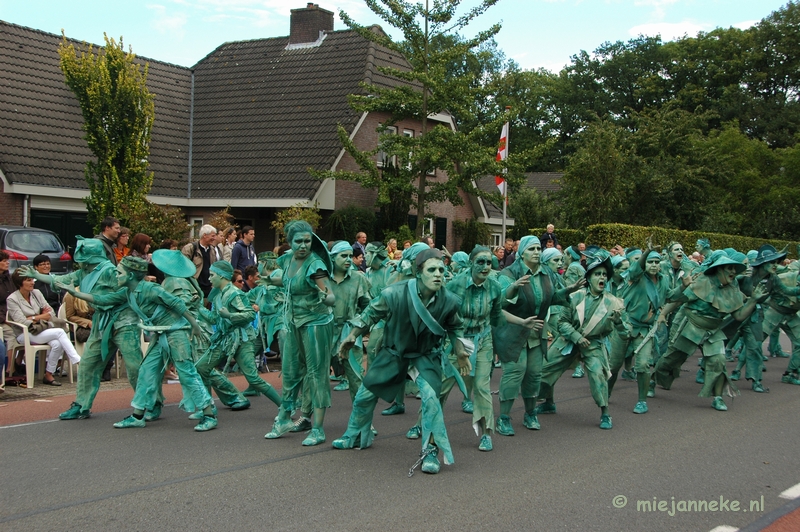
point(307, 23)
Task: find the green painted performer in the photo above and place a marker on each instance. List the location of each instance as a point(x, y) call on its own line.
point(114, 326)
point(593, 313)
point(308, 319)
point(232, 314)
point(706, 303)
point(530, 291)
point(419, 316)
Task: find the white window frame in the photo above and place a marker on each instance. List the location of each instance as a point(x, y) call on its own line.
point(195, 223)
point(496, 238)
point(381, 155)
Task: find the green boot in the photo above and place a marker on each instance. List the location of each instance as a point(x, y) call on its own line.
point(503, 426)
point(719, 404)
point(129, 422)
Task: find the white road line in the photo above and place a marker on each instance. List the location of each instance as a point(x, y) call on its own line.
point(724, 528)
point(29, 424)
point(791, 493)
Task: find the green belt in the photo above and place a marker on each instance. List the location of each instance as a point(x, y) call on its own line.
point(704, 322)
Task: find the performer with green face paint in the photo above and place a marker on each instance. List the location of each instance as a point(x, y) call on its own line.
point(418, 318)
point(593, 313)
point(529, 290)
point(114, 326)
point(706, 303)
point(169, 321)
point(232, 314)
point(646, 292)
point(781, 307)
point(308, 318)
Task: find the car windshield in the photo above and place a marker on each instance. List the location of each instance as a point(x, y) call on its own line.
point(33, 242)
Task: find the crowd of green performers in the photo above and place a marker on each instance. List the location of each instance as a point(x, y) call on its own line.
point(431, 323)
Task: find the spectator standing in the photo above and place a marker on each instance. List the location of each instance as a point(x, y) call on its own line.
point(549, 234)
point(202, 256)
point(391, 248)
point(360, 244)
point(121, 248)
point(509, 256)
point(228, 241)
point(109, 231)
point(244, 254)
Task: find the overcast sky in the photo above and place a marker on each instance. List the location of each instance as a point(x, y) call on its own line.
point(536, 33)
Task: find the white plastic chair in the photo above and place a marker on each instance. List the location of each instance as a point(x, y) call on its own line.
point(31, 352)
point(72, 327)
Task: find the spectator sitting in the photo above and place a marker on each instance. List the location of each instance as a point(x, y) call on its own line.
point(42, 264)
point(80, 313)
point(6, 289)
point(121, 248)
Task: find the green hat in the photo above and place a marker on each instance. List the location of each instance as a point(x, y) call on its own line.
point(222, 268)
point(173, 263)
point(89, 251)
point(427, 254)
point(719, 259)
point(573, 253)
point(767, 253)
point(135, 264)
point(598, 262)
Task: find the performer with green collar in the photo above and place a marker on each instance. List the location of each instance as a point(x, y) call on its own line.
point(781, 309)
point(308, 318)
point(114, 326)
point(706, 303)
point(593, 313)
point(419, 315)
point(530, 290)
point(646, 292)
point(232, 314)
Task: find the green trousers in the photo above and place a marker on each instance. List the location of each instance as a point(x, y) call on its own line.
point(226, 391)
point(482, 403)
point(594, 360)
point(523, 376)
point(128, 340)
point(790, 324)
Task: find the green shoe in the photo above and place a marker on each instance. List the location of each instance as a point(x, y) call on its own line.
point(198, 415)
point(786, 379)
point(430, 464)
point(301, 425)
point(414, 433)
point(578, 373)
point(640, 408)
point(780, 354)
point(735, 375)
point(155, 413)
point(239, 404)
point(759, 388)
point(503, 426)
point(336, 378)
point(765, 358)
point(394, 410)
point(279, 428)
point(628, 375)
point(129, 423)
point(467, 407)
point(346, 442)
point(251, 392)
point(315, 437)
point(548, 407)
point(701, 376)
point(485, 444)
point(208, 423)
point(530, 422)
point(605, 422)
point(75, 412)
point(651, 389)
point(342, 386)
point(719, 404)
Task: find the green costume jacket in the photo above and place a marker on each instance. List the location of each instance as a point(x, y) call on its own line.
point(644, 298)
point(587, 317)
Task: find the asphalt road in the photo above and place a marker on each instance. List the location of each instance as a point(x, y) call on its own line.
point(85, 475)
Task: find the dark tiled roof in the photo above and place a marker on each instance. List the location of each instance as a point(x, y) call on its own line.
point(41, 141)
point(542, 182)
point(265, 114)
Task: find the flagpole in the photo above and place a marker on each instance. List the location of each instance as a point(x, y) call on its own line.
point(505, 185)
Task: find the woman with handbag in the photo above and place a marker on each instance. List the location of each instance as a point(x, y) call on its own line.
point(28, 307)
point(80, 313)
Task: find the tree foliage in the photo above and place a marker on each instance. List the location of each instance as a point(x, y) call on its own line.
point(296, 212)
point(118, 113)
point(441, 78)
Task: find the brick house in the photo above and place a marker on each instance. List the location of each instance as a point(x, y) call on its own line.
point(239, 128)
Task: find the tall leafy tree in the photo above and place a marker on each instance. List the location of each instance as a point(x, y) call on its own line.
point(434, 50)
point(118, 113)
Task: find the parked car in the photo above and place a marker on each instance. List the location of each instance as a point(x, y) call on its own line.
point(23, 243)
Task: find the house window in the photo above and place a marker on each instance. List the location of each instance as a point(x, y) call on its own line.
point(382, 158)
point(496, 238)
point(195, 224)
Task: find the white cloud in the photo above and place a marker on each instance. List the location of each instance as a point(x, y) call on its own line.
point(659, 11)
point(168, 23)
point(669, 30)
point(745, 24)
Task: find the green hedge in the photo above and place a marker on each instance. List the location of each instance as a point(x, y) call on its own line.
point(609, 235)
